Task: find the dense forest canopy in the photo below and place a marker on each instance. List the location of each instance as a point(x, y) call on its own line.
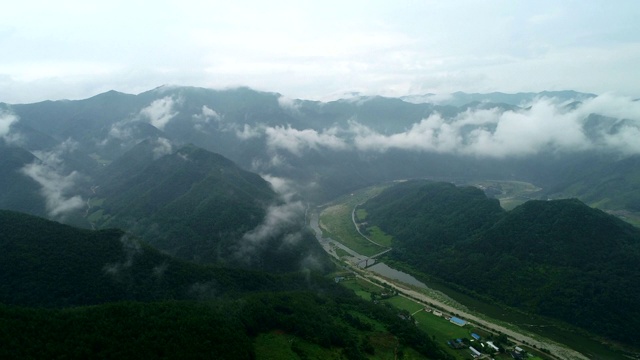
point(102, 294)
point(558, 258)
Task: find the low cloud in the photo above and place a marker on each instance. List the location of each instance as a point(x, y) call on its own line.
point(160, 112)
point(207, 115)
point(277, 219)
point(7, 120)
point(297, 141)
point(162, 147)
point(289, 104)
point(545, 125)
point(131, 248)
point(56, 186)
point(277, 223)
point(293, 140)
point(287, 189)
point(121, 131)
point(249, 132)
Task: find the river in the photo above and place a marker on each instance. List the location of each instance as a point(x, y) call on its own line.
point(383, 273)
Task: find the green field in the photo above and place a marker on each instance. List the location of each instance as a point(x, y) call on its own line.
point(373, 232)
point(377, 235)
point(360, 285)
point(281, 345)
point(340, 252)
point(336, 222)
point(513, 193)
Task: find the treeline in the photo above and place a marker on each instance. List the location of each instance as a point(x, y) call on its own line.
point(220, 329)
point(47, 264)
point(557, 258)
point(74, 293)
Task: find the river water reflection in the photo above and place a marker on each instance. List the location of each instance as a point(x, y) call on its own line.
point(391, 273)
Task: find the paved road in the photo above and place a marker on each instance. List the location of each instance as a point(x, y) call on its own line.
point(559, 352)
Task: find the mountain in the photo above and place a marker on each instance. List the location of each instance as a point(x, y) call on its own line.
point(331, 148)
point(18, 191)
point(48, 264)
point(610, 186)
point(69, 292)
point(430, 217)
point(556, 258)
point(200, 206)
point(461, 98)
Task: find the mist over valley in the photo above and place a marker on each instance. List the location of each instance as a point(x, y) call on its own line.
point(219, 186)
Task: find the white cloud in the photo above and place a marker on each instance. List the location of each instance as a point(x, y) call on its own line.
point(273, 161)
point(544, 126)
point(207, 115)
point(249, 132)
point(7, 120)
point(56, 186)
point(278, 221)
point(120, 130)
point(160, 112)
point(296, 141)
point(289, 104)
point(620, 107)
point(286, 188)
point(162, 147)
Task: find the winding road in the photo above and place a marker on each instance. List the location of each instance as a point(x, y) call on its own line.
point(558, 352)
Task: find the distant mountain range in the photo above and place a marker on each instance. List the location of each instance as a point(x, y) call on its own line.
point(519, 99)
point(161, 162)
point(331, 148)
point(210, 189)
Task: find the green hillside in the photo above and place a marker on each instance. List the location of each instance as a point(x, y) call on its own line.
point(430, 216)
point(44, 263)
point(605, 185)
point(560, 258)
point(74, 293)
point(194, 204)
point(335, 325)
point(17, 191)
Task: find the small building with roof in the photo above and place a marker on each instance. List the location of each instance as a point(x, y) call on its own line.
point(475, 352)
point(458, 321)
point(493, 346)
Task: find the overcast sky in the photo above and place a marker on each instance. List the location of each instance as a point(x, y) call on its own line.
point(315, 50)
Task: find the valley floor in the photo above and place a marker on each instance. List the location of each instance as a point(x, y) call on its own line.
point(355, 262)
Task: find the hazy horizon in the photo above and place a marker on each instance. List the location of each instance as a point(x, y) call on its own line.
point(318, 50)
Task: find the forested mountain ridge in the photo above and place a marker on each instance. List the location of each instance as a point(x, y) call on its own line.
point(429, 217)
point(148, 304)
point(18, 192)
point(330, 148)
point(199, 206)
point(557, 258)
point(612, 186)
point(48, 264)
